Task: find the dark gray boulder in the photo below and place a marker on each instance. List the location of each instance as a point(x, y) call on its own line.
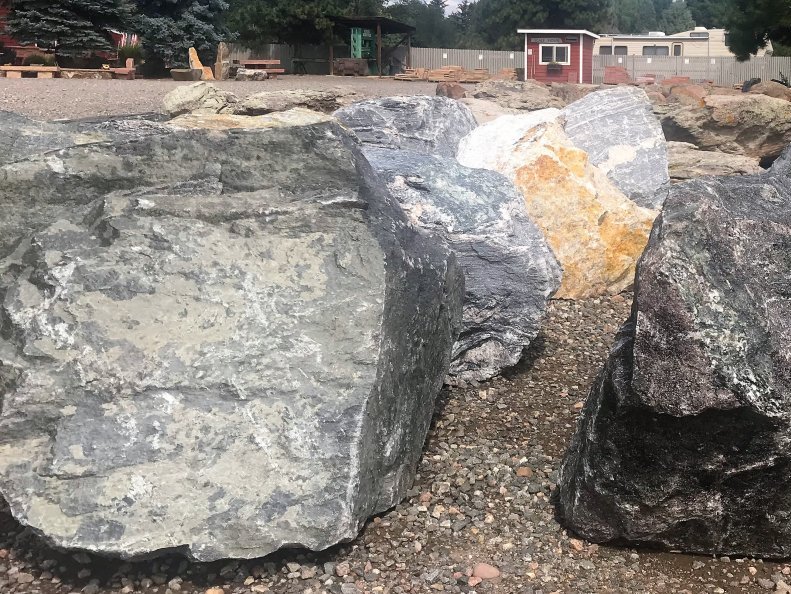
point(430, 125)
point(509, 269)
point(233, 345)
point(624, 139)
point(683, 442)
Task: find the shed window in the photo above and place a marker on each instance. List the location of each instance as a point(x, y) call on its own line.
point(656, 50)
point(555, 53)
point(620, 50)
point(605, 50)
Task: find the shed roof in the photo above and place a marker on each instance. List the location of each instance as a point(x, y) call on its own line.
point(561, 31)
point(389, 26)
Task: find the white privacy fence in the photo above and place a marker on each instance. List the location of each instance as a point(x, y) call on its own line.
point(723, 71)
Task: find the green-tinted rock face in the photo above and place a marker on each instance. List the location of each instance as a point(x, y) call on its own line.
point(217, 342)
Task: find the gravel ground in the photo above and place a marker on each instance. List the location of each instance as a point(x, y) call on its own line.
point(50, 99)
point(481, 506)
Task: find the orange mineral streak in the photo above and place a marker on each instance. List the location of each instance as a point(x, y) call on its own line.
point(596, 232)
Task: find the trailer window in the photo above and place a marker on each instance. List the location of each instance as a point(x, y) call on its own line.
point(620, 50)
point(605, 50)
point(656, 50)
point(676, 49)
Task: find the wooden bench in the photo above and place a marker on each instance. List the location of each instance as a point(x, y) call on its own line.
point(40, 71)
point(258, 64)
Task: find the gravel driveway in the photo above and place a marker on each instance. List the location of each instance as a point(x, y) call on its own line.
point(50, 99)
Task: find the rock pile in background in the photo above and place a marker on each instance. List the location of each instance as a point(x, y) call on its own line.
point(595, 231)
point(205, 98)
point(686, 161)
point(683, 441)
point(217, 343)
point(433, 125)
point(623, 139)
point(509, 270)
point(752, 125)
point(530, 95)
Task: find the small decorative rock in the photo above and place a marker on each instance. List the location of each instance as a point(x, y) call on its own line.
point(485, 571)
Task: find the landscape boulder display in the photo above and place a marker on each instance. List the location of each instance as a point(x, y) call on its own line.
point(432, 125)
point(509, 270)
point(772, 89)
point(595, 231)
point(250, 74)
point(623, 139)
point(683, 441)
point(748, 124)
point(217, 343)
point(686, 161)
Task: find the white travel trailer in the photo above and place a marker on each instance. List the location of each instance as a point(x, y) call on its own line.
point(700, 42)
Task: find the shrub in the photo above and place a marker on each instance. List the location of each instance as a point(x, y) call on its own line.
point(36, 59)
point(131, 50)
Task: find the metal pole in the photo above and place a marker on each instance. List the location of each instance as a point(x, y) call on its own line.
point(379, 48)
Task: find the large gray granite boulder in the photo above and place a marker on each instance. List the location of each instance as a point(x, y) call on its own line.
point(683, 442)
point(623, 138)
point(430, 125)
point(223, 343)
point(509, 269)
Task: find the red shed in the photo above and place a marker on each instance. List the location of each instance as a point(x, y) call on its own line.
point(559, 55)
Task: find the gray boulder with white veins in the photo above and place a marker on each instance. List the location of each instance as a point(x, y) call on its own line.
point(204, 352)
point(429, 125)
point(509, 269)
point(624, 139)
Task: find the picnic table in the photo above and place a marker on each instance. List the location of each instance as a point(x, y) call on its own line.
point(263, 65)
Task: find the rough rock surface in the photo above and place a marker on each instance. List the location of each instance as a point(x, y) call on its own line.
point(772, 89)
point(216, 356)
point(749, 124)
point(527, 95)
point(509, 270)
point(595, 231)
point(686, 161)
point(200, 97)
point(291, 117)
point(432, 125)
point(485, 111)
point(451, 89)
point(323, 100)
point(623, 138)
point(21, 137)
point(683, 441)
point(243, 74)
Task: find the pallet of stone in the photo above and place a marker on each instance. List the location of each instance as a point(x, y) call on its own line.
point(412, 74)
point(20, 71)
point(474, 76)
point(446, 73)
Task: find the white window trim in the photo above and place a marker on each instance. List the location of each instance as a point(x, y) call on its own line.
point(541, 47)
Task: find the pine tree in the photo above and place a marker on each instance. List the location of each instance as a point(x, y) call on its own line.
point(676, 18)
point(70, 27)
point(168, 29)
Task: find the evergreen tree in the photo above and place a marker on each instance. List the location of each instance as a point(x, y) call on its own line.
point(752, 23)
point(708, 13)
point(635, 16)
point(676, 18)
point(70, 27)
point(168, 29)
